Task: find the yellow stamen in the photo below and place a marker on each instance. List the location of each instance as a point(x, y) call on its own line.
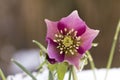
point(69, 42)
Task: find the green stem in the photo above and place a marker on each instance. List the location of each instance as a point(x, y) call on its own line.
point(24, 69)
point(91, 64)
point(50, 76)
point(40, 46)
point(74, 73)
point(112, 49)
point(40, 67)
point(2, 75)
point(70, 72)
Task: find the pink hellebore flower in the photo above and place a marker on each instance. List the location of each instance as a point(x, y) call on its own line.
point(68, 39)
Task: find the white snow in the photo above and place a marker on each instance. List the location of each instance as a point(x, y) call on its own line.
point(114, 74)
point(28, 58)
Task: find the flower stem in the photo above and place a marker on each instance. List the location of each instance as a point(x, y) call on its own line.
point(70, 71)
point(112, 49)
point(2, 75)
point(91, 64)
point(50, 76)
point(74, 73)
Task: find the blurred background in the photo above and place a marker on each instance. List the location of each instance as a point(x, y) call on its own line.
point(21, 21)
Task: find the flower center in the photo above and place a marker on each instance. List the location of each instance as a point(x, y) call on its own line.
point(69, 42)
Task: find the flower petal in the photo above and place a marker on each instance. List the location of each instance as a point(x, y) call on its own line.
point(51, 29)
point(87, 38)
point(73, 21)
point(61, 26)
point(53, 52)
point(73, 59)
point(80, 50)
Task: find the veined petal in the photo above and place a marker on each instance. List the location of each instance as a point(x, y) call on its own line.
point(53, 52)
point(51, 29)
point(73, 21)
point(73, 59)
point(87, 38)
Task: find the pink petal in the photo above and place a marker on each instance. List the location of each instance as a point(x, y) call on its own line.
point(80, 50)
point(73, 59)
point(87, 38)
point(73, 21)
point(51, 29)
point(53, 52)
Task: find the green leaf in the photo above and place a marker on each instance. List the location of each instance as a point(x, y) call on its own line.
point(40, 46)
point(61, 70)
point(2, 75)
point(52, 67)
point(24, 69)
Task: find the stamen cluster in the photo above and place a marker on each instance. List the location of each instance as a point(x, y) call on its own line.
point(68, 41)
